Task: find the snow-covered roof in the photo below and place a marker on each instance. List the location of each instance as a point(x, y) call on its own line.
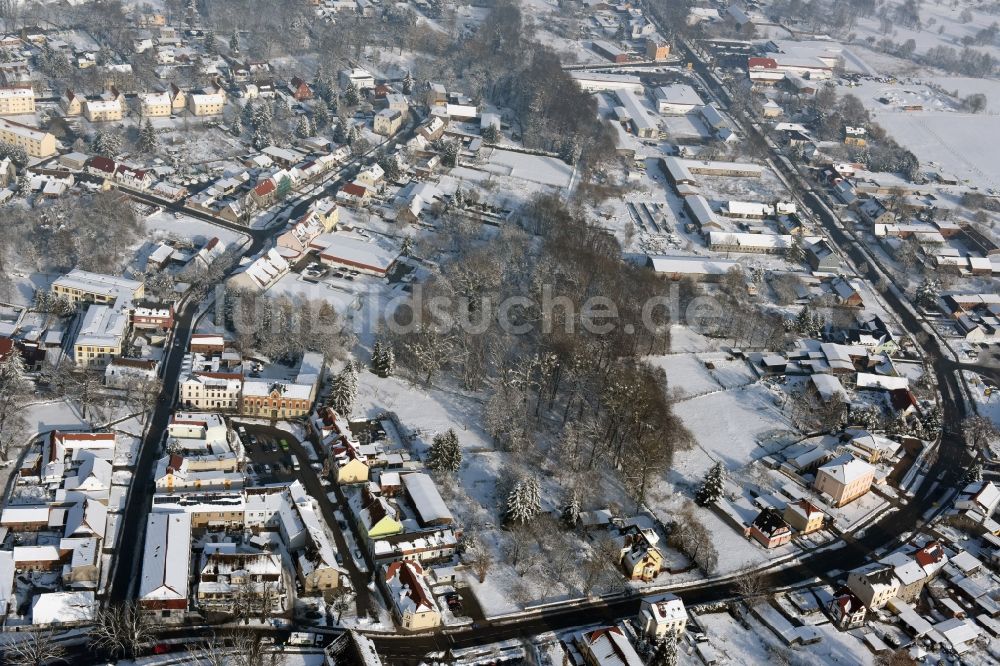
point(62, 607)
point(691, 265)
point(867, 380)
point(426, 499)
point(166, 557)
point(846, 469)
point(353, 251)
point(610, 647)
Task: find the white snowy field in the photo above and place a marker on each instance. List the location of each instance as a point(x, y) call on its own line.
point(963, 144)
point(164, 225)
point(727, 427)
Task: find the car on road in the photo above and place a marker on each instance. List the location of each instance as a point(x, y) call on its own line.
point(284, 444)
point(342, 524)
point(272, 446)
point(340, 559)
point(267, 469)
point(316, 466)
point(358, 555)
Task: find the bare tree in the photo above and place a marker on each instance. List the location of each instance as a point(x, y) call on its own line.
point(479, 557)
point(749, 585)
point(979, 431)
point(32, 648)
point(341, 602)
point(122, 629)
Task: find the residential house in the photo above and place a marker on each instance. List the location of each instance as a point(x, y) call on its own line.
point(354, 196)
point(155, 105)
point(607, 646)
point(412, 601)
point(101, 336)
point(847, 610)
point(874, 584)
point(110, 106)
point(640, 558)
point(909, 573)
point(661, 615)
point(821, 257)
point(80, 286)
point(71, 103)
point(228, 579)
point(388, 121)
point(769, 529)
point(216, 391)
point(803, 516)
point(125, 373)
point(178, 98)
point(300, 90)
point(844, 479)
point(376, 518)
point(206, 104)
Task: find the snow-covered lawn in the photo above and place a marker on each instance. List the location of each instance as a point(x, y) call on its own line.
point(727, 426)
point(165, 225)
point(963, 144)
point(735, 645)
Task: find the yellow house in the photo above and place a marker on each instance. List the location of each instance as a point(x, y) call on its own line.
point(353, 471)
point(803, 516)
point(71, 103)
point(378, 520)
point(178, 99)
point(83, 286)
point(206, 105)
point(327, 212)
point(844, 479)
point(413, 602)
point(640, 558)
point(155, 105)
point(316, 576)
point(101, 336)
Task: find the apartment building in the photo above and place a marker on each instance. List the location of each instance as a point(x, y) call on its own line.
point(79, 286)
point(34, 141)
point(101, 337)
point(211, 391)
point(206, 104)
point(155, 105)
point(16, 101)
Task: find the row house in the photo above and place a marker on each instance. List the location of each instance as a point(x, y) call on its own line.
point(225, 578)
point(212, 391)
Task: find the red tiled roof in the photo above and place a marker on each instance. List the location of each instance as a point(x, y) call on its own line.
point(102, 163)
point(932, 553)
point(762, 63)
point(265, 188)
point(354, 190)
